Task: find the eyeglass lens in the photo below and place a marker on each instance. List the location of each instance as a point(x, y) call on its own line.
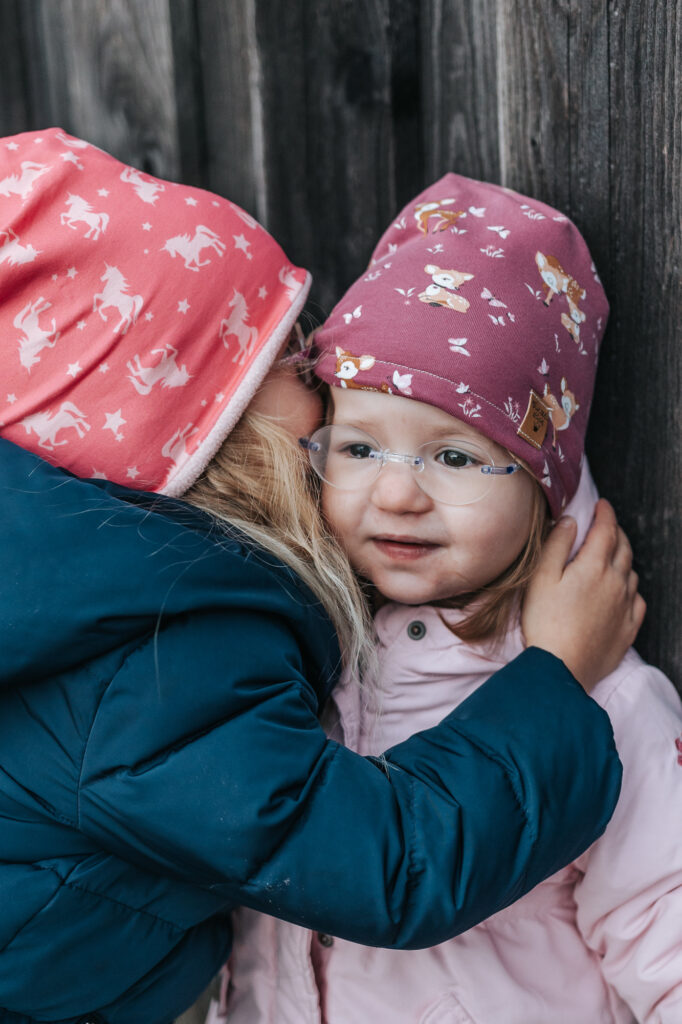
point(450, 471)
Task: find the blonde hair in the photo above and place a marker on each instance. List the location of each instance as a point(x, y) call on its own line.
point(495, 604)
point(260, 483)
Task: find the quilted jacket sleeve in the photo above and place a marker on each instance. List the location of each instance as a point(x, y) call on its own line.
point(630, 897)
point(236, 787)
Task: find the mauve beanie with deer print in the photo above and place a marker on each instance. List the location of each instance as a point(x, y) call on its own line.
point(486, 304)
point(138, 317)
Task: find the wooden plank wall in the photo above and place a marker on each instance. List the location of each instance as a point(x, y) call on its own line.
point(323, 117)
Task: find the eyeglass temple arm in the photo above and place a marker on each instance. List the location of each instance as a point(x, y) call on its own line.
point(500, 470)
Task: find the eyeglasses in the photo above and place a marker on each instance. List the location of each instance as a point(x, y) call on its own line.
point(298, 356)
point(455, 471)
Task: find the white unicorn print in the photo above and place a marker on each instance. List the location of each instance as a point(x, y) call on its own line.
point(12, 251)
point(236, 325)
point(80, 210)
point(175, 447)
point(143, 378)
point(288, 279)
point(22, 184)
point(47, 425)
point(36, 338)
point(246, 217)
point(146, 190)
point(114, 294)
point(72, 143)
point(190, 248)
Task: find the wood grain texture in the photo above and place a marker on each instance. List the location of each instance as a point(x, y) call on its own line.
point(14, 98)
point(635, 442)
point(460, 88)
point(104, 69)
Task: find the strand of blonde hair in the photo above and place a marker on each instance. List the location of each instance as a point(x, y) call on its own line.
point(259, 482)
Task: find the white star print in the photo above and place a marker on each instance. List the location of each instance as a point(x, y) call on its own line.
point(71, 272)
point(104, 192)
point(104, 368)
point(149, 316)
point(114, 423)
point(98, 475)
point(183, 306)
point(146, 226)
point(219, 397)
point(81, 325)
point(242, 243)
point(12, 145)
point(262, 292)
point(55, 276)
point(74, 369)
point(11, 399)
point(133, 471)
point(191, 201)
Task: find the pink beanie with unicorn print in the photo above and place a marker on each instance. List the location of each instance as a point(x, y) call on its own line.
point(138, 317)
point(486, 304)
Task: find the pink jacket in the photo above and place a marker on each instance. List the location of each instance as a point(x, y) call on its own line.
point(598, 943)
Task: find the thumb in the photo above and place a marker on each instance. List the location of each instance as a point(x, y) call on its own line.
point(557, 548)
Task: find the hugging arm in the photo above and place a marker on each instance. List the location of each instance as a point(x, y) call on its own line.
point(237, 789)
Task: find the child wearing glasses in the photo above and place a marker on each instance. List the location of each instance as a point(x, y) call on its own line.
point(460, 369)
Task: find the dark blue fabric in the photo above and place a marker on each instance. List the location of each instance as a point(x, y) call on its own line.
point(161, 761)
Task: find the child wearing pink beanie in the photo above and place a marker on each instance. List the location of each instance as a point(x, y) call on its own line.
point(460, 369)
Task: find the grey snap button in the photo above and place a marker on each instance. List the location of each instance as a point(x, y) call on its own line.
point(416, 630)
point(325, 940)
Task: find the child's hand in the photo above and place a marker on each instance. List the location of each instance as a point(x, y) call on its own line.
point(588, 612)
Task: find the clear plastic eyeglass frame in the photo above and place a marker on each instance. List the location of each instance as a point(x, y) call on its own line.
point(452, 471)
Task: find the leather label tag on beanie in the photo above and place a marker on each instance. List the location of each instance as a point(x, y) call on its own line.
point(534, 426)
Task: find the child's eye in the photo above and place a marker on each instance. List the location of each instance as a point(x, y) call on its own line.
point(358, 451)
point(452, 458)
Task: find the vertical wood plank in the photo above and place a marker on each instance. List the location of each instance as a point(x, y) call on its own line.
point(532, 62)
point(104, 70)
point(459, 88)
point(636, 435)
point(329, 174)
point(230, 94)
point(14, 109)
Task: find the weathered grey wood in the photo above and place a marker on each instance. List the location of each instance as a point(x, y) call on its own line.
point(533, 77)
point(460, 83)
point(232, 118)
point(636, 435)
point(104, 69)
point(329, 154)
point(14, 100)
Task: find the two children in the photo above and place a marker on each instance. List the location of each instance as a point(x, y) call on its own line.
point(163, 661)
point(461, 368)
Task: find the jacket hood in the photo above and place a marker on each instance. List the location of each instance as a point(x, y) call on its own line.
point(88, 565)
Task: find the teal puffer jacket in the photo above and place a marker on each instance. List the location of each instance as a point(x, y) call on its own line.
point(161, 762)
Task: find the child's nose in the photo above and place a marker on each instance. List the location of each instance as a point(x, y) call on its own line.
point(397, 489)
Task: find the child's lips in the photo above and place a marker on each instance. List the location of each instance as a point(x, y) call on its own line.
point(404, 548)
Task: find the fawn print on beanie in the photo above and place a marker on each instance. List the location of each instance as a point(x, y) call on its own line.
point(348, 366)
point(558, 282)
point(443, 291)
point(516, 268)
point(560, 413)
point(424, 212)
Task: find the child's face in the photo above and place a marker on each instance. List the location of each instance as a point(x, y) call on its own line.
point(413, 549)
